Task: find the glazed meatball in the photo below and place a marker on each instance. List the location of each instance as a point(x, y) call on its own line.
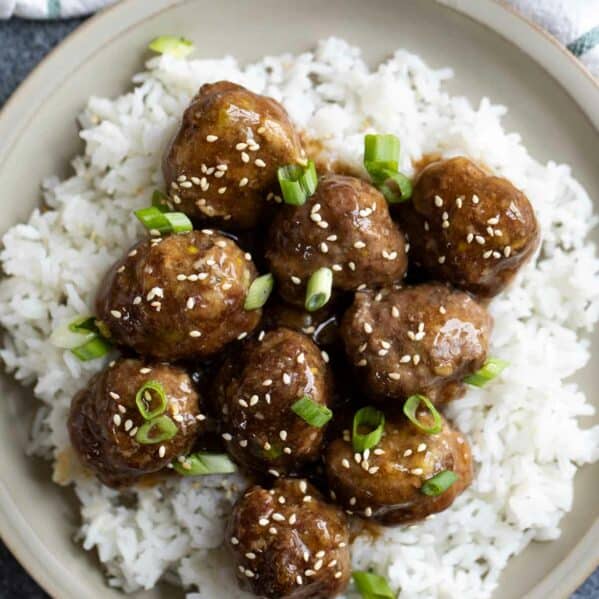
point(288, 543)
point(422, 339)
point(386, 482)
point(179, 296)
point(344, 226)
point(255, 391)
point(468, 227)
point(110, 434)
point(223, 161)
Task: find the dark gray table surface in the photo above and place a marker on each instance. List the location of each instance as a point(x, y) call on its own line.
point(22, 45)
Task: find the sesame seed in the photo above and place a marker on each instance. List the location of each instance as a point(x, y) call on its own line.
point(161, 451)
point(254, 399)
point(416, 359)
point(245, 157)
point(359, 245)
point(242, 336)
point(286, 379)
point(324, 248)
point(234, 541)
point(337, 267)
point(259, 163)
point(250, 555)
point(394, 376)
point(299, 580)
point(249, 574)
point(272, 530)
point(395, 312)
point(416, 471)
point(195, 333)
point(296, 280)
point(243, 403)
point(405, 359)
point(421, 447)
point(373, 470)
point(459, 201)
point(301, 358)
point(480, 239)
point(227, 436)
point(263, 522)
point(128, 424)
point(367, 328)
point(283, 435)
point(407, 453)
point(487, 254)
point(117, 419)
point(267, 382)
point(438, 201)
point(345, 463)
point(211, 138)
point(443, 309)
point(325, 356)
point(362, 362)
point(441, 260)
point(323, 224)
point(278, 517)
point(368, 512)
point(475, 199)
point(114, 395)
point(115, 313)
point(507, 250)
point(470, 237)
point(122, 409)
point(186, 184)
point(315, 217)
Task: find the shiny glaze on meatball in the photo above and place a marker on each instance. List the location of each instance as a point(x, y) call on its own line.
point(385, 482)
point(288, 543)
point(344, 226)
point(104, 420)
point(467, 227)
point(179, 296)
point(222, 164)
point(254, 392)
point(421, 339)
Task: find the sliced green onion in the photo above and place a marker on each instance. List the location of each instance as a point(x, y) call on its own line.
point(493, 368)
point(297, 182)
point(395, 186)
point(145, 397)
point(410, 408)
point(372, 586)
point(74, 333)
point(159, 429)
point(160, 201)
point(258, 292)
point(96, 348)
point(200, 464)
point(439, 483)
point(154, 219)
point(312, 412)
point(318, 290)
point(178, 47)
point(381, 152)
point(372, 418)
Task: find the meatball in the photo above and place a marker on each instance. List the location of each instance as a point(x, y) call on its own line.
point(422, 339)
point(386, 482)
point(468, 227)
point(222, 163)
point(288, 543)
point(344, 226)
point(110, 434)
point(255, 391)
point(179, 296)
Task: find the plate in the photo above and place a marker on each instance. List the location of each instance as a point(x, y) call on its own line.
point(554, 104)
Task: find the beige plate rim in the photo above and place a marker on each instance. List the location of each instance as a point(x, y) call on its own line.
point(525, 34)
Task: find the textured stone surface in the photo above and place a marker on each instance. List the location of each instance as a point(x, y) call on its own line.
point(22, 45)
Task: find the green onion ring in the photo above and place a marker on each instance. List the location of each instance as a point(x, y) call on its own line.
point(179, 47)
point(159, 429)
point(154, 219)
point(372, 418)
point(259, 291)
point(319, 288)
point(381, 151)
point(372, 586)
point(410, 408)
point(439, 483)
point(201, 464)
point(395, 186)
point(492, 368)
point(95, 348)
point(297, 182)
point(143, 403)
point(312, 412)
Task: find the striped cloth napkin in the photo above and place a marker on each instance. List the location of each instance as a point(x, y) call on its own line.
point(575, 23)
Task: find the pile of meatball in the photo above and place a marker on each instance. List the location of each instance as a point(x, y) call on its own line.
point(407, 316)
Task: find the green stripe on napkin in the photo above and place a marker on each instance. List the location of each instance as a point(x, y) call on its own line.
point(585, 42)
point(53, 9)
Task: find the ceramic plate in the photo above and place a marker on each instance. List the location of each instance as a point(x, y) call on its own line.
point(553, 103)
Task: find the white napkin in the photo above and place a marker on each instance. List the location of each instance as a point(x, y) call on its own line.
point(573, 22)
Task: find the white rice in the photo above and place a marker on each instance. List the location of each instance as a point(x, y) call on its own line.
point(523, 428)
